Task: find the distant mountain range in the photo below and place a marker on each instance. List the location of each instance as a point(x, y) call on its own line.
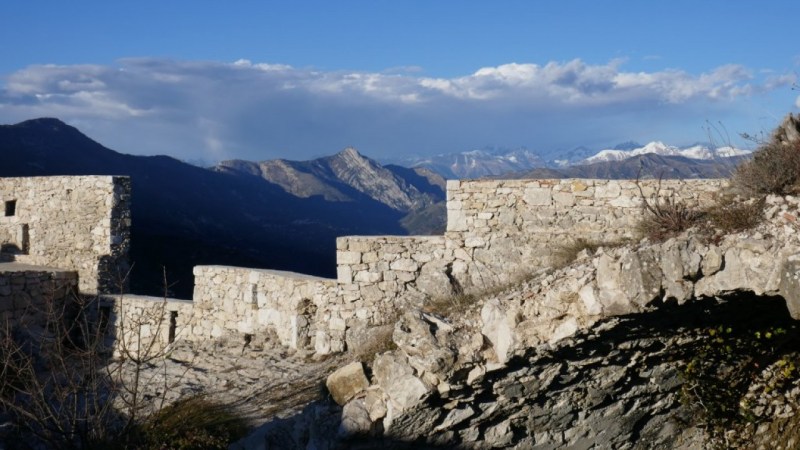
point(649, 165)
point(499, 162)
point(701, 152)
point(477, 163)
point(185, 215)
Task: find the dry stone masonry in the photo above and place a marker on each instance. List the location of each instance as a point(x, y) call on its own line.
point(71, 223)
point(503, 228)
point(497, 230)
point(27, 293)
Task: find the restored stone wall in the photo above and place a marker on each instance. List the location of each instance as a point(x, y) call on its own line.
point(234, 300)
point(377, 276)
point(496, 230)
point(141, 326)
point(75, 223)
point(384, 268)
point(504, 228)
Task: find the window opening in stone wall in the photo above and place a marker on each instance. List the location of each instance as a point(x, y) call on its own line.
point(105, 314)
point(248, 338)
point(173, 325)
point(11, 208)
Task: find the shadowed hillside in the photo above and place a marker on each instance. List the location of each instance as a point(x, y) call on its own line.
point(185, 215)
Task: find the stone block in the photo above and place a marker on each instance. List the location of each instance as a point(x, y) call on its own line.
point(538, 196)
point(564, 199)
point(348, 257)
point(457, 220)
point(364, 276)
point(404, 265)
point(344, 274)
point(611, 189)
point(474, 241)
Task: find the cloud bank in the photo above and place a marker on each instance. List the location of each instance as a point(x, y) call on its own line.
point(212, 110)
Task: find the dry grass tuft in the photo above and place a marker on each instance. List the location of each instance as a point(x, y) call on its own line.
point(665, 218)
point(731, 215)
point(451, 305)
point(567, 253)
point(461, 301)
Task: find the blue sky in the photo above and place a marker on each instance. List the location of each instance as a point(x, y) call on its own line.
point(260, 79)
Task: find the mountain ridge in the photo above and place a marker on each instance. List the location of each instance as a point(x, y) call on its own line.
point(185, 215)
point(346, 176)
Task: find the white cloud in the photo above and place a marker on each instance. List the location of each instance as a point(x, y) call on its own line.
point(200, 109)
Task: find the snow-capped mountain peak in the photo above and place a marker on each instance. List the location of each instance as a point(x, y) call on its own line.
point(660, 148)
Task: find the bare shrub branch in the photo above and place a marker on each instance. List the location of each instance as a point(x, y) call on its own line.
point(664, 216)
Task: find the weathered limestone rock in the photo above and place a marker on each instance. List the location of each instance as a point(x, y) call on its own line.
point(498, 329)
point(748, 266)
point(355, 419)
point(347, 382)
point(640, 277)
point(375, 404)
point(790, 284)
point(392, 372)
point(423, 339)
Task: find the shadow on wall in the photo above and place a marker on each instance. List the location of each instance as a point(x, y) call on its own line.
point(55, 354)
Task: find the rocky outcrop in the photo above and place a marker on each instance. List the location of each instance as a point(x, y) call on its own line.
point(788, 131)
point(590, 354)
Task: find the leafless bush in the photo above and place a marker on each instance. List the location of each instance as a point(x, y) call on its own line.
point(664, 216)
point(60, 389)
point(774, 169)
point(60, 383)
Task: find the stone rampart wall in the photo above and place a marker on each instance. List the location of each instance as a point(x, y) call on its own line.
point(496, 230)
point(73, 223)
point(504, 228)
point(377, 276)
point(141, 326)
point(233, 300)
